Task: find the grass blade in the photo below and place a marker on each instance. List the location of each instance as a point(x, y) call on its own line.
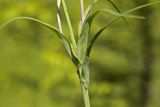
point(95, 37)
point(140, 7)
point(86, 12)
point(69, 25)
point(124, 14)
point(64, 40)
point(118, 10)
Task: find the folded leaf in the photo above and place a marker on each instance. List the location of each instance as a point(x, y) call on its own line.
point(83, 43)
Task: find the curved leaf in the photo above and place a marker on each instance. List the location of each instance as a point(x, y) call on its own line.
point(52, 28)
point(98, 34)
point(140, 7)
point(83, 40)
point(118, 10)
point(90, 19)
point(124, 14)
point(106, 26)
point(86, 12)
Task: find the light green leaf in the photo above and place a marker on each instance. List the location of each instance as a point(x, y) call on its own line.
point(98, 34)
point(106, 26)
point(52, 28)
point(72, 36)
point(83, 39)
point(85, 72)
point(118, 10)
point(89, 11)
point(124, 14)
point(140, 7)
point(83, 43)
point(86, 12)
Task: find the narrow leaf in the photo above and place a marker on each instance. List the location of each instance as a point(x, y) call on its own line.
point(98, 34)
point(83, 43)
point(85, 72)
point(64, 40)
point(124, 14)
point(86, 12)
point(106, 26)
point(118, 10)
point(140, 7)
point(72, 36)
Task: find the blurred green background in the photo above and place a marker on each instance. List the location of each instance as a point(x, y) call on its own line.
point(35, 70)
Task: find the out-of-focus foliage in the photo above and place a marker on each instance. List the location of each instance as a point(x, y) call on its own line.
point(35, 70)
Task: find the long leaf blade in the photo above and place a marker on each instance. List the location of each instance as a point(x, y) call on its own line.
point(124, 14)
point(140, 7)
point(64, 40)
point(118, 10)
point(106, 26)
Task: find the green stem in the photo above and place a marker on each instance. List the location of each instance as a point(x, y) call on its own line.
point(84, 87)
point(85, 95)
point(82, 12)
point(72, 37)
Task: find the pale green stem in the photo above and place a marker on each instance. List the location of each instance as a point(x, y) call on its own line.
point(82, 11)
point(58, 16)
point(59, 23)
point(72, 37)
point(84, 89)
point(85, 95)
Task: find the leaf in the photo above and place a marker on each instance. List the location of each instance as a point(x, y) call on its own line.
point(83, 43)
point(72, 36)
point(118, 10)
point(106, 26)
point(88, 12)
point(124, 14)
point(83, 39)
point(85, 72)
point(97, 35)
point(52, 28)
point(140, 7)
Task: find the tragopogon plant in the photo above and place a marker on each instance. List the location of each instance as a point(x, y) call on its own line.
point(79, 51)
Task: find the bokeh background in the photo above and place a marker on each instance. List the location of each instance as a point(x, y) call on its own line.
point(35, 70)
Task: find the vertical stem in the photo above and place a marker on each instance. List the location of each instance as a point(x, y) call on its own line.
point(82, 11)
point(58, 16)
point(84, 87)
point(69, 24)
point(85, 95)
point(59, 23)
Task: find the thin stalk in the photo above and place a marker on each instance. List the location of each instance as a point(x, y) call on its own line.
point(58, 17)
point(72, 37)
point(84, 89)
point(82, 11)
point(85, 95)
point(59, 23)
